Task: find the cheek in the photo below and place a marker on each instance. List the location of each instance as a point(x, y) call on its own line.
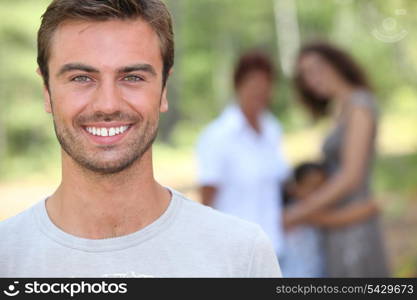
point(316, 82)
point(259, 90)
point(68, 103)
point(312, 79)
point(143, 100)
point(266, 89)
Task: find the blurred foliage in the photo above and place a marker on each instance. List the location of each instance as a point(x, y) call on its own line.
point(397, 174)
point(210, 34)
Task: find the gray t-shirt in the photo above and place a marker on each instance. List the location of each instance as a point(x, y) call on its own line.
point(187, 240)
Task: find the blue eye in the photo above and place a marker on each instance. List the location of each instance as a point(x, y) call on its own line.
point(81, 78)
point(132, 78)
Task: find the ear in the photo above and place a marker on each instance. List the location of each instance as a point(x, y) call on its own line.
point(291, 188)
point(163, 107)
point(46, 95)
point(164, 101)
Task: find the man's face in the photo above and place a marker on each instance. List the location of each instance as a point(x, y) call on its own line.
point(105, 91)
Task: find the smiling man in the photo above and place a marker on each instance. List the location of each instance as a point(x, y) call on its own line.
point(105, 65)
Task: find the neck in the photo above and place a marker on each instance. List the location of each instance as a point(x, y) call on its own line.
point(95, 206)
point(342, 93)
point(252, 117)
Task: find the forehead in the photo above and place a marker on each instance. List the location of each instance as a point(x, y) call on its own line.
point(311, 59)
point(107, 44)
point(256, 74)
point(313, 175)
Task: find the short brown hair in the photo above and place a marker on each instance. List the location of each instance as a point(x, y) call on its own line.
point(154, 12)
point(344, 65)
point(253, 60)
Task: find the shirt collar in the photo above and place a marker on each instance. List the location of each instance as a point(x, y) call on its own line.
point(234, 117)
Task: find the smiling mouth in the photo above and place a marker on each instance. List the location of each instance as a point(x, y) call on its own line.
point(107, 131)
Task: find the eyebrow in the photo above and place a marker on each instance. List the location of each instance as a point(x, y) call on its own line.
point(76, 67)
point(89, 69)
point(138, 67)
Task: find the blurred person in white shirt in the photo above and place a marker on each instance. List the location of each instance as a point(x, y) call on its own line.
point(240, 163)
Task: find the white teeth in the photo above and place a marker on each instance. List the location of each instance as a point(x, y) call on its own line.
point(112, 131)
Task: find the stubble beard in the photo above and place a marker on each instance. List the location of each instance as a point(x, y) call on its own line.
point(94, 161)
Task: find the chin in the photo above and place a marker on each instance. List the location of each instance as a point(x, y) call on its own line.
point(103, 164)
point(322, 94)
point(108, 168)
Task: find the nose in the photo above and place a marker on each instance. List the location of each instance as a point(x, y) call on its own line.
point(107, 97)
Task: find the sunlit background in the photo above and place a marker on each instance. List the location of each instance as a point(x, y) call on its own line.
point(210, 34)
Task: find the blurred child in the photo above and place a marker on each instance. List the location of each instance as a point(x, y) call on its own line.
point(304, 254)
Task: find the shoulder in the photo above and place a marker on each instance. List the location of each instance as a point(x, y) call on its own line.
point(210, 220)
point(19, 220)
point(223, 126)
point(239, 246)
point(218, 228)
point(212, 132)
point(14, 229)
point(272, 124)
point(272, 120)
point(362, 108)
point(364, 99)
point(363, 95)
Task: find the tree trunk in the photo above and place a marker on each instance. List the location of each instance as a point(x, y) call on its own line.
point(286, 22)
